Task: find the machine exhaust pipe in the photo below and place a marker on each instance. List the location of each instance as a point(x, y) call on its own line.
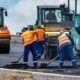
point(69, 4)
point(75, 7)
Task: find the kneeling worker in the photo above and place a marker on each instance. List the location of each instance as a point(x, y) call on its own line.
point(28, 40)
point(66, 43)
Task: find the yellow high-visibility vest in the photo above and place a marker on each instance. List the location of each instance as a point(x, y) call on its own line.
point(63, 39)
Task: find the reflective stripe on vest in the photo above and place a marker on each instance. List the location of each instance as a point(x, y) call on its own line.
point(40, 35)
point(28, 37)
point(63, 39)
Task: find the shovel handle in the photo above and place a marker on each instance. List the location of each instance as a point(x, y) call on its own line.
point(20, 58)
point(53, 59)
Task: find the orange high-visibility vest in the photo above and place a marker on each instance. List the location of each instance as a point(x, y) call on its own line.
point(28, 37)
point(63, 39)
point(40, 34)
point(35, 36)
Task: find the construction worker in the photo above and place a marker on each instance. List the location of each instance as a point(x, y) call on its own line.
point(40, 41)
point(28, 39)
point(66, 43)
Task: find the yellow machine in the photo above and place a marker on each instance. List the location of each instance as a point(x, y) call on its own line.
point(4, 33)
point(54, 19)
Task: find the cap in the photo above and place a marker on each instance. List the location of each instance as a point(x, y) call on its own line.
point(25, 28)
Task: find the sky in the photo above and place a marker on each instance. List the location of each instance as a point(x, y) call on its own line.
point(24, 12)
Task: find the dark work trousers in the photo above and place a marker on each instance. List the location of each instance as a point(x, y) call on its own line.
point(40, 49)
point(63, 53)
point(32, 48)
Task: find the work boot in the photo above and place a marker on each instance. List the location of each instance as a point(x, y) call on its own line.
point(36, 65)
point(76, 66)
point(24, 67)
point(60, 66)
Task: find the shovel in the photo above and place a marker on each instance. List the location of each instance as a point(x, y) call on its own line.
point(18, 59)
point(43, 65)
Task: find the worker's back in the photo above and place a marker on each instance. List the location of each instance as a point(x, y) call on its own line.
point(63, 39)
point(40, 34)
point(28, 37)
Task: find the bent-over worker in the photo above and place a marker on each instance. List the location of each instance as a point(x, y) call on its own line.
point(40, 41)
point(28, 40)
point(66, 43)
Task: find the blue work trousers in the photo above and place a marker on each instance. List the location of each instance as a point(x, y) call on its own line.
point(40, 48)
point(63, 53)
point(32, 48)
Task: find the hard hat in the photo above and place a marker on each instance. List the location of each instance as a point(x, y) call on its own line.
point(30, 27)
point(42, 26)
point(34, 26)
point(38, 26)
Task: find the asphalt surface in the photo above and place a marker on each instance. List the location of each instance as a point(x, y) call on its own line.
point(16, 50)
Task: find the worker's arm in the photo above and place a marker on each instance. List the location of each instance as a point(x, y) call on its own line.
point(22, 39)
point(58, 48)
point(45, 38)
point(71, 39)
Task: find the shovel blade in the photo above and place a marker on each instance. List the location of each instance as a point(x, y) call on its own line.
point(14, 62)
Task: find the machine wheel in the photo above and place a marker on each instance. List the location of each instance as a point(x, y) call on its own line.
point(5, 46)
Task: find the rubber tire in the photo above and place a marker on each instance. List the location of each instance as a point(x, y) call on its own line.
point(5, 47)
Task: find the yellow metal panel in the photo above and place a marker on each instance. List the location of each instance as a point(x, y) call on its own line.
point(54, 33)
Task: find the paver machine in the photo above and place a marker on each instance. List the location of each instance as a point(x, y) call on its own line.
point(4, 33)
point(54, 19)
point(76, 31)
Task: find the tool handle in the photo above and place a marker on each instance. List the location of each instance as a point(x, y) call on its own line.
point(53, 59)
point(19, 58)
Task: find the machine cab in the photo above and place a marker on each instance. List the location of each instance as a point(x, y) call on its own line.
point(53, 14)
point(2, 12)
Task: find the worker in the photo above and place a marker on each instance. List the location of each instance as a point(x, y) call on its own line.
point(66, 43)
point(28, 39)
point(40, 41)
point(51, 17)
